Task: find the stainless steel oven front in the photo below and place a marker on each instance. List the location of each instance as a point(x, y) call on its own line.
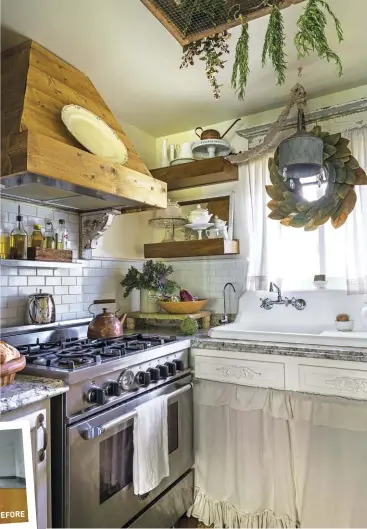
point(99, 460)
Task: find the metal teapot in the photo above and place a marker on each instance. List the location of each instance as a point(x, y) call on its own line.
point(212, 134)
point(40, 308)
point(106, 325)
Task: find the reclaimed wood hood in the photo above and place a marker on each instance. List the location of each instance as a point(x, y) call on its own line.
point(41, 160)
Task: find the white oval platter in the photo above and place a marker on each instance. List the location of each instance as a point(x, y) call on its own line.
point(93, 133)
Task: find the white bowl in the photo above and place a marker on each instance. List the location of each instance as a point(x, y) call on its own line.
point(344, 326)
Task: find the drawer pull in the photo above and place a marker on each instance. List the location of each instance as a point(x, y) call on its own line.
point(349, 384)
point(41, 424)
point(238, 372)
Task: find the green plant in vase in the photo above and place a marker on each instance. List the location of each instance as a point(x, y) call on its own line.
point(151, 282)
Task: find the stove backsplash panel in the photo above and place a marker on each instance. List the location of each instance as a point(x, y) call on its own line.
point(75, 289)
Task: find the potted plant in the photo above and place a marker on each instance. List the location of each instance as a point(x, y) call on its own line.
point(152, 281)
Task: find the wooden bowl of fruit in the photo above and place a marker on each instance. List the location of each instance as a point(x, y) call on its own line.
point(185, 303)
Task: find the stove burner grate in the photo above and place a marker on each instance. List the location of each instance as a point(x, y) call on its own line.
point(74, 353)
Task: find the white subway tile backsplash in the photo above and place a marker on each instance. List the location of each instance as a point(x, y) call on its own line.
point(36, 281)
point(55, 281)
point(62, 309)
point(69, 299)
point(17, 281)
point(9, 291)
point(4, 281)
point(6, 271)
point(68, 281)
point(61, 272)
point(69, 316)
point(45, 272)
point(61, 290)
point(75, 289)
point(28, 272)
point(9, 313)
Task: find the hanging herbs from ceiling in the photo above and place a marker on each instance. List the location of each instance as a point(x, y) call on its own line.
point(241, 68)
point(212, 50)
point(343, 174)
point(274, 44)
point(310, 37)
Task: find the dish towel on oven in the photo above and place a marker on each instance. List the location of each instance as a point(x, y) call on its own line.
point(150, 463)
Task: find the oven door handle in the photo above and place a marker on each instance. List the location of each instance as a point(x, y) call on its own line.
point(95, 431)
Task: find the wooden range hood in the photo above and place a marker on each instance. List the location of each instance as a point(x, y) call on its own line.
point(41, 160)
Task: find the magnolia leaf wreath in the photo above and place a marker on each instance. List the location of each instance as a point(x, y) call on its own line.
point(343, 174)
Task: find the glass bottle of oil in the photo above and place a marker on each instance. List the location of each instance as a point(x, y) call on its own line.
point(62, 236)
point(49, 240)
point(37, 237)
point(18, 240)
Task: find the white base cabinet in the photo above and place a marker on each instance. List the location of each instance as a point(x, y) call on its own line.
point(305, 374)
point(37, 415)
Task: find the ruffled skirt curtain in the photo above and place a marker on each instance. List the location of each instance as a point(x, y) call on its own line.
point(267, 458)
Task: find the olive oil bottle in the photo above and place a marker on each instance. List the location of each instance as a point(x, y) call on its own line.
point(18, 240)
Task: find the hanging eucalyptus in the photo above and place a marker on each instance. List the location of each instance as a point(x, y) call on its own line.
point(311, 35)
point(274, 44)
point(241, 68)
point(211, 50)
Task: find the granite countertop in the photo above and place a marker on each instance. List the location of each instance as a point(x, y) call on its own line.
point(27, 389)
point(330, 352)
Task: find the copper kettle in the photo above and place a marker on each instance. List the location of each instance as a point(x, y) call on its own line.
point(212, 134)
point(106, 325)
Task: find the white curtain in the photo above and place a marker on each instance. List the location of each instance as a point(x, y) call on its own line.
point(267, 458)
point(293, 256)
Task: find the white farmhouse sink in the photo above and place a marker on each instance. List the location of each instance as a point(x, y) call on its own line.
point(311, 335)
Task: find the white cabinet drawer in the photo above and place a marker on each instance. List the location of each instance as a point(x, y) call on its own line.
point(238, 371)
point(333, 381)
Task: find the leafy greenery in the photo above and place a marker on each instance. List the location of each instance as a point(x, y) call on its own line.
point(241, 68)
point(311, 35)
point(211, 50)
point(274, 44)
point(154, 276)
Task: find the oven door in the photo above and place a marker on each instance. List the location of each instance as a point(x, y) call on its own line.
point(99, 474)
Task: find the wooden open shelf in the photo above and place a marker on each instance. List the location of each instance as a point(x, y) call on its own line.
point(205, 247)
point(196, 174)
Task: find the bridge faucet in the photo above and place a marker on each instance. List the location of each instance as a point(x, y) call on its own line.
point(224, 320)
point(268, 303)
point(271, 289)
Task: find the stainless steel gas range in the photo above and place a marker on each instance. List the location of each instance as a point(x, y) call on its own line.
point(92, 424)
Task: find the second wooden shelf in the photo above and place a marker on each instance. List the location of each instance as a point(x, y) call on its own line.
point(196, 248)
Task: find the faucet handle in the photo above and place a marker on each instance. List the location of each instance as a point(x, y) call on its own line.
point(266, 304)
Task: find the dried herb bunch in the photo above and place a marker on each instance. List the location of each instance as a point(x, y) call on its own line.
point(311, 32)
point(241, 68)
point(274, 44)
point(215, 11)
point(212, 50)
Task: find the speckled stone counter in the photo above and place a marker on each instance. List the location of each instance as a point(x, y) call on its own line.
point(351, 354)
point(28, 389)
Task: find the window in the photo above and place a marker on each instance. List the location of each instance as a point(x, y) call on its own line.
point(294, 256)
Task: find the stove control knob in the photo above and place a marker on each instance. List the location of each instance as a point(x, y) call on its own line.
point(163, 371)
point(154, 374)
point(112, 389)
point(180, 365)
point(95, 396)
point(171, 368)
point(143, 378)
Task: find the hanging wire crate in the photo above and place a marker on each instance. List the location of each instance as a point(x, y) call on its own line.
point(202, 25)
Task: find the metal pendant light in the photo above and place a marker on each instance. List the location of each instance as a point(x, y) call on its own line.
point(301, 155)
